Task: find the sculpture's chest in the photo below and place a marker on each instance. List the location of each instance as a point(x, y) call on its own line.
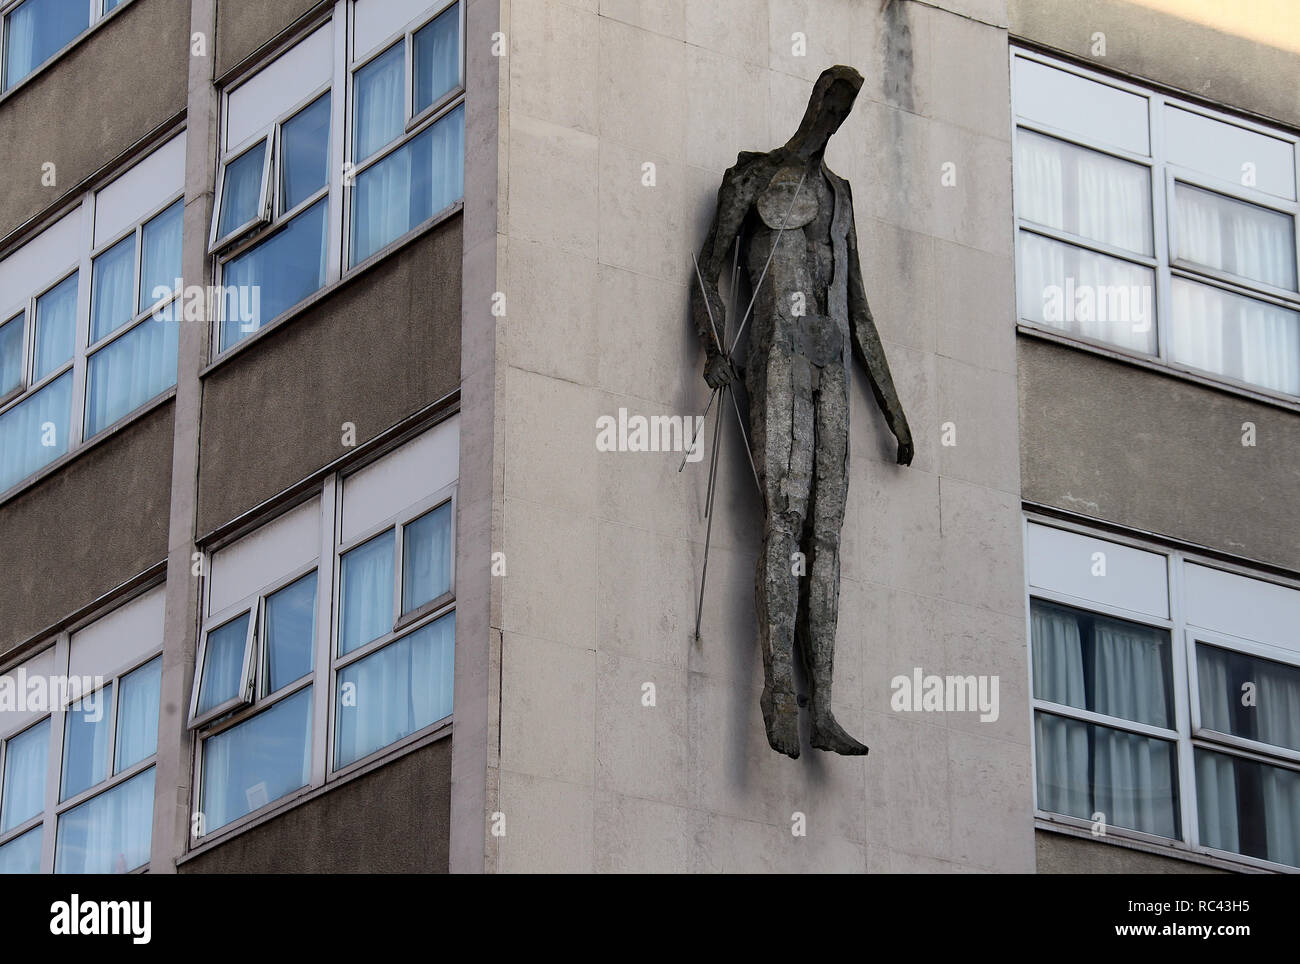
point(792, 199)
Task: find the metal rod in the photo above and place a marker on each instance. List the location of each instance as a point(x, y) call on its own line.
point(708, 510)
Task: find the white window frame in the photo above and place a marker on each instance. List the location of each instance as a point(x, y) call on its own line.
point(1163, 175)
point(1187, 735)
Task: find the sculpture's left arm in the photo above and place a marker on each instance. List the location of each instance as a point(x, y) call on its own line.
point(869, 351)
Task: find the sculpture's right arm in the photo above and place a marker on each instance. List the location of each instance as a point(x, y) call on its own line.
point(734, 199)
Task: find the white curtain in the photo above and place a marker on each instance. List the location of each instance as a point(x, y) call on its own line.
point(38, 29)
point(22, 431)
point(1134, 781)
point(1062, 765)
point(160, 257)
point(1235, 237)
point(367, 593)
point(137, 715)
point(23, 794)
point(1282, 814)
point(223, 660)
point(130, 371)
point(112, 289)
point(1131, 672)
point(437, 58)
point(22, 855)
point(381, 102)
point(110, 833)
point(1216, 800)
point(1240, 337)
point(85, 745)
point(11, 353)
point(56, 326)
point(426, 566)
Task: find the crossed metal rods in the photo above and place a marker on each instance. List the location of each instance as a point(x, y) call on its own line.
point(726, 354)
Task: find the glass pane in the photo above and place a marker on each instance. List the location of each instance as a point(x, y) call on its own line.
point(396, 691)
point(1098, 112)
point(110, 4)
point(241, 194)
point(366, 597)
point(11, 354)
point(1086, 193)
point(437, 58)
point(408, 186)
point(1086, 294)
point(223, 663)
point(267, 280)
point(35, 431)
point(1230, 153)
point(110, 833)
point(380, 115)
point(22, 855)
point(112, 288)
point(290, 629)
point(131, 370)
point(249, 765)
point(1102, 664)
point(37, 30)
point(426, 558)
point(56, 326)
point(23, 794)
point(1228, 334)
point(1084, 769)
point(1248, 696)
point(160, 264)
point(137, 715)
point(85, 742)
point(1242, 239)
point(305, 138)
point(1247, 807)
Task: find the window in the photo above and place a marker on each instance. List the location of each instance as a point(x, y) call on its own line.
point(90, 333)
point(78, 740)
point(287, 176)
point(330, 633)
point(36, 30)
point(1155, 226)
point(1168, 719)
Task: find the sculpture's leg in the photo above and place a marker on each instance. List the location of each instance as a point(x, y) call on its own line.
point(829, 494)
point(782, 436)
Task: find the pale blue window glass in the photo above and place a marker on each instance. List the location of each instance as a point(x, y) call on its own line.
point(380, 102)
point(23, 793)
point(22, 855)
point(260, 760)
point(38, 29)
point(241, 192)
point(131, 370)
point(11, 354)
point(290, 629)
point(35, 431)
point(112, 288)
point(56, 326)
point(223, 662)
point(160, 259)
point(137, 715)
point(396, 691)
point(426, 558)
point(304, 139)
point(436, 58)
point(270, 278)
point(85, 742)
point(109, 833)
point(366, 597)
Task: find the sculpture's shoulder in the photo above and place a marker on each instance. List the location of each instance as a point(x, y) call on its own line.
point(749, 168)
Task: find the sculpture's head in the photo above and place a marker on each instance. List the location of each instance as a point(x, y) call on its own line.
point(828, 107)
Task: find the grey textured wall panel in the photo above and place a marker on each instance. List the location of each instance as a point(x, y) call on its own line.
point(1061, 854)
point(244, 25)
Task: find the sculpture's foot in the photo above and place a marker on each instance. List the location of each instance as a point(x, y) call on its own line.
point(781, 719)
point(828, 735)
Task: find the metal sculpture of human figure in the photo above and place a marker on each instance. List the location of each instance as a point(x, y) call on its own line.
point(793, 220)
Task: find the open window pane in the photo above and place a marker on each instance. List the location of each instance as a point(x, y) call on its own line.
point(1087, 294)
point(112, 288)
point(408, 186)
point(1270, 715)
point(110, 833)
point(426, 558)
point(305, 167)
point(290, 629)
point(270, 278)
point(85, 742)
point(260, 760)
point(130, 371)
point(56, 326)
point(38, 29)
point(160, 260)
point(22, 855)
point(436, 58)
point(1247, 807)
point(1229, 334)
point(23, 793)
point(223, 661)
point(1102, 664)
point(366, 596)
point(1083, 192)
point(396, 691)
point(380, 114)
point(1084, 769)
point(1244, 239)
point(241, 192)
point(35, 431)
point(137, 715)
point(11, 354)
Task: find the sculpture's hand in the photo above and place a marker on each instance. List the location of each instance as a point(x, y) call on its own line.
point(717, 370)
point(905, 449)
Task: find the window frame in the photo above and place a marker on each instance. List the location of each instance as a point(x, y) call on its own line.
point(1188, 735)
point(97, 14)
point(1164, 175)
